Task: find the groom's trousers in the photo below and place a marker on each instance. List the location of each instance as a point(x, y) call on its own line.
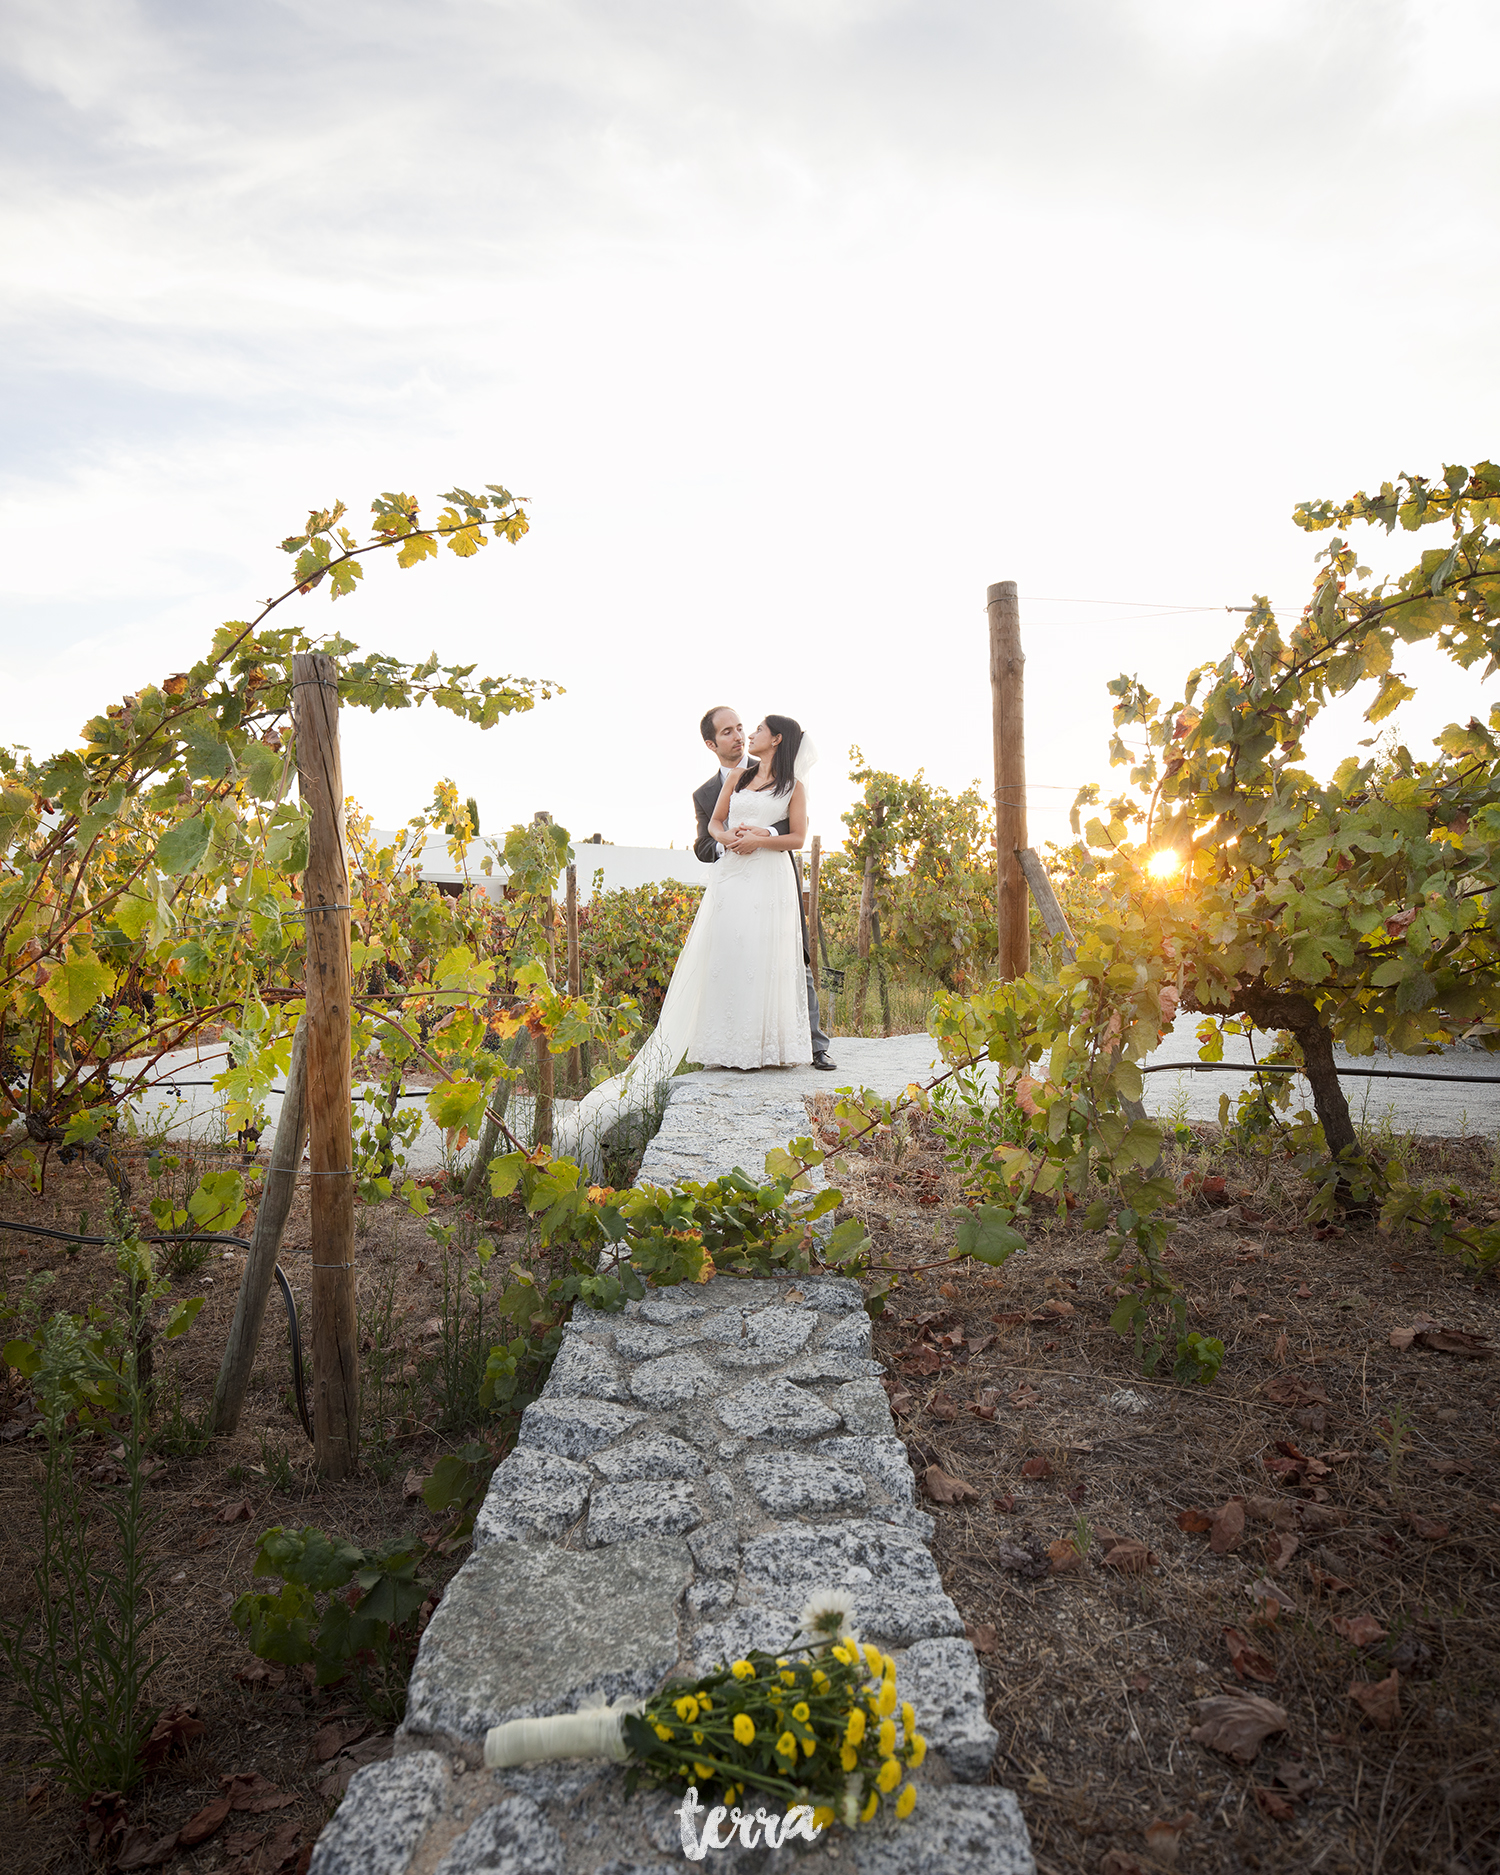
point(814, 1016)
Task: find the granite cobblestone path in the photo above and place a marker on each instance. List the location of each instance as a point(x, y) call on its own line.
point(694, 1468)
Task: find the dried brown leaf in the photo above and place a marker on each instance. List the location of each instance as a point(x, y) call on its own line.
point(1271, 1601)
point(1280, 1511)
point(1164, 1837)
point(1456, 1341)
point(1121, 1862)
point(329, 1740)
point(1037, 1468)
point(1246, 1658)
point(1228, 1527)
point(1379, 1700)
point(1319, 1519)
point(1238, 1724)
point(1358, 1630)
point(1293, 1390)
point(1063, 1555)
point(981, 1636)
point(203, 1823)
point(140, 1847)
point(1126, 1554)
point(177, 1727)
point(1195, 1522)
point(236, 1513)
point(1295, 1777)
point(1272, 1804)
point(943, 1488)
point(1280, 1549)
point(1430, 1529)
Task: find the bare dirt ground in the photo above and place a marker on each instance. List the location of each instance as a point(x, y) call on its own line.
point(1327, 1516)
point(209, 1508)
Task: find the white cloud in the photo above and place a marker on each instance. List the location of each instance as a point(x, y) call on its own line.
point(799, 324)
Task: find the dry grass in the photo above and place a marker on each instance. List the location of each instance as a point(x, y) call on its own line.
point(1093, 1674)
point(199, 1564)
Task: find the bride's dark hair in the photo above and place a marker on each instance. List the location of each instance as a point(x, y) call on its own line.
point(783, 756)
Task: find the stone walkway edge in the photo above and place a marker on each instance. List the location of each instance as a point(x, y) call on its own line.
point(693, 1469)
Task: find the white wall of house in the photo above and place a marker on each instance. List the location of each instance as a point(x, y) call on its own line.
point(622, 866)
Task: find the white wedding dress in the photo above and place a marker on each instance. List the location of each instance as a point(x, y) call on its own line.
point(738, 996)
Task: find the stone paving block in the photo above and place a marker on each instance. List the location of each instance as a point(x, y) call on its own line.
point(824, 1365)
point(655, 1455)
point(898, 1594)
point(787, 1482)
point(642, 1341)
point(852, 1333)
point(531, 1494)
point(514, 1838)
point(952, 1831)
point(672, 1380)
point(587, 1321)
point(669, 1311)
point(620, 1513)
point(730, 1639)
point(775, 1410)
point(765, 1338)
point(584, 1370)
point(942, 1679)
point(835, 1295)
point(574, 1428)
point(863, 1407)
point(723, 1325)
point(527, 1629)
point(384, 1815)
point(907, 1517)
point(709, 1596)
point(884, 1460)
point(716, 1548)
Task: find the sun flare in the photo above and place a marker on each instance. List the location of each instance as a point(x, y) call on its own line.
point(1164, 864)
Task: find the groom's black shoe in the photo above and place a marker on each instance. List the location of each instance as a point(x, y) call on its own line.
point(825, 1061)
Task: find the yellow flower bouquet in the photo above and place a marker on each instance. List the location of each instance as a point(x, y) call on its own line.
point(821, 1726)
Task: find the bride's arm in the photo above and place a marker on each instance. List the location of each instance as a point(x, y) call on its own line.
point(718, 827)
point(796, 818)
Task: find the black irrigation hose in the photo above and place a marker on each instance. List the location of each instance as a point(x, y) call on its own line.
point(171, 1087)
point(294, 1336)
point(1287, 1067)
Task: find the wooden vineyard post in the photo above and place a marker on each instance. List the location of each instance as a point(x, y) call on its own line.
point(575, 974)
point(545, 1078)
point(325, 901)
point(1053, 915)
point(541, 818)
point(1007, 668)
point(265, 1240)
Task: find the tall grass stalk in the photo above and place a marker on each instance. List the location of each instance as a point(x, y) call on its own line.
point(82, 1663)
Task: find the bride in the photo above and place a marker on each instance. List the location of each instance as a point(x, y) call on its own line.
point(738, 996)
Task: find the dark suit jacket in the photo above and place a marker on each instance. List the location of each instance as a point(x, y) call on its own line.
point(706, 847)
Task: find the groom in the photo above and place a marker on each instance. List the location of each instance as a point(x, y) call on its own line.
point(724, 737)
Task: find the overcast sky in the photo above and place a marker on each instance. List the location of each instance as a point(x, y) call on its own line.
point(799, 321)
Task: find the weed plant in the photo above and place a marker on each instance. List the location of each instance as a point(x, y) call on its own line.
point(178, 1432)
point(81, 1663)
point(455, 1375)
